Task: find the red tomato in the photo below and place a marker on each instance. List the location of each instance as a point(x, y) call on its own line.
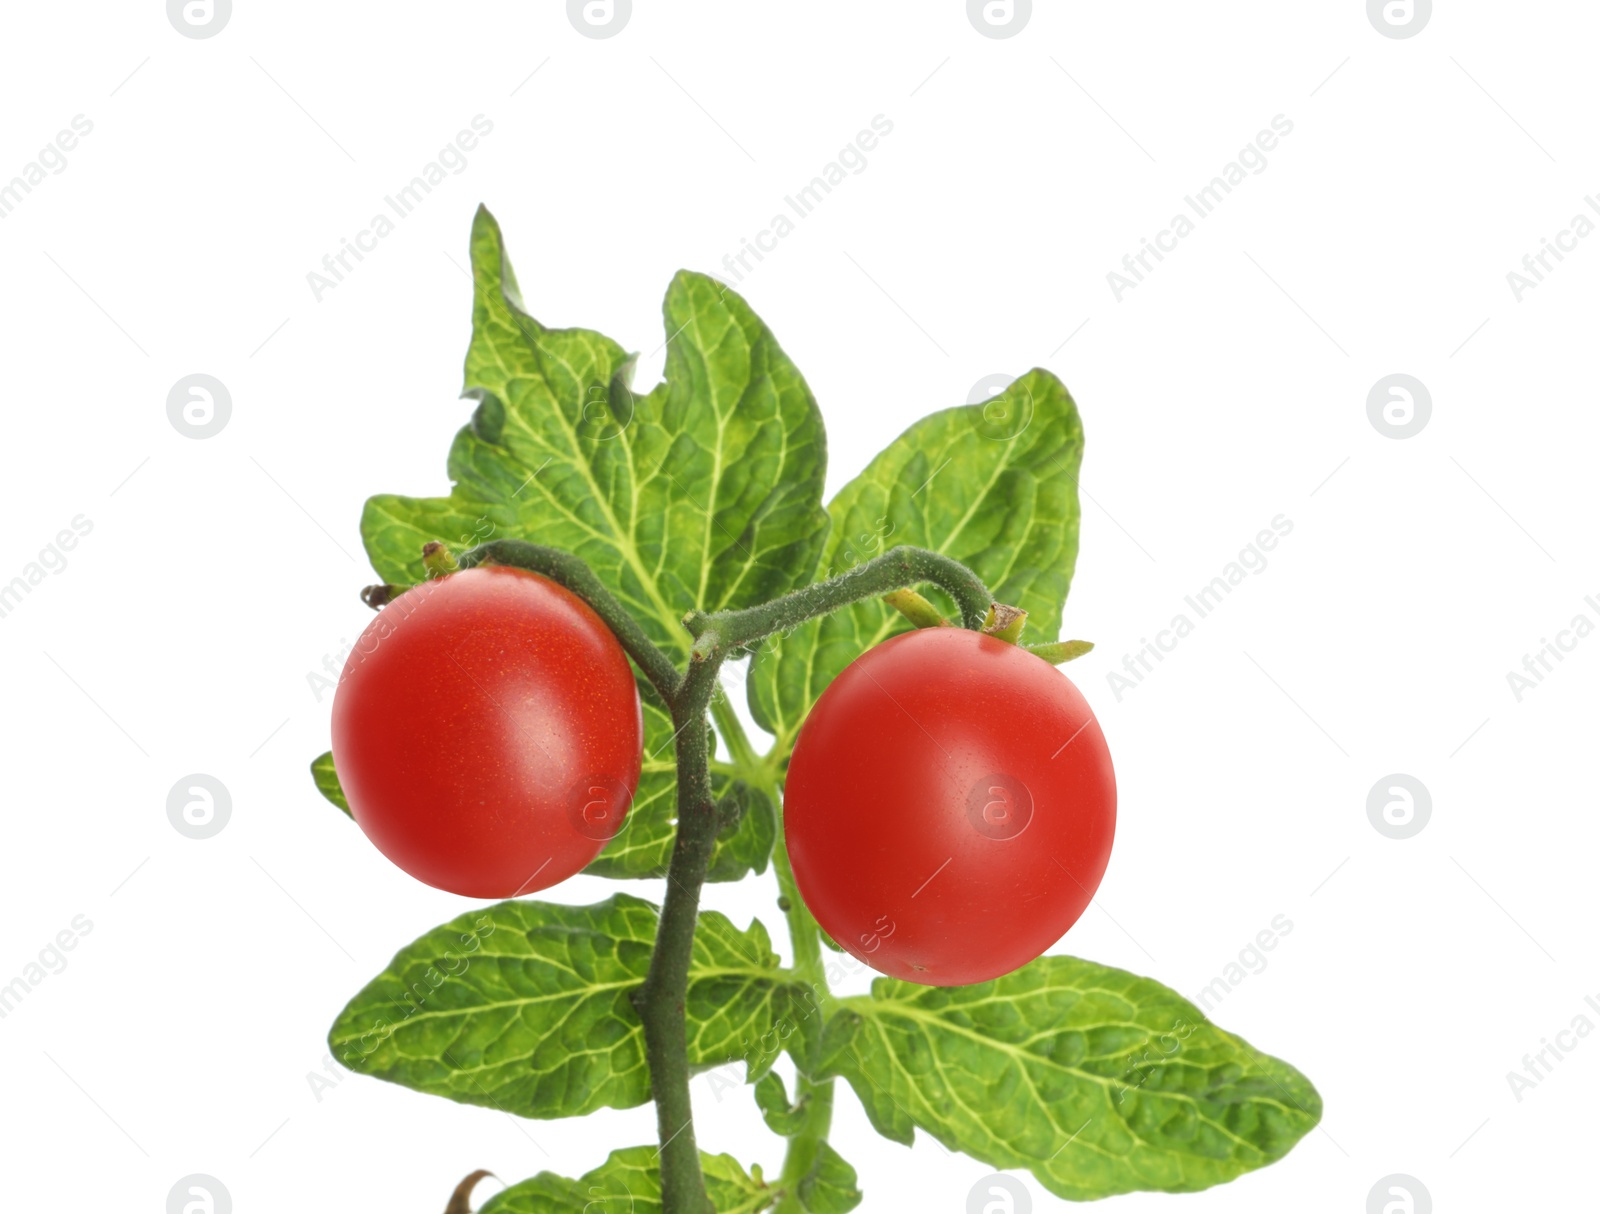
point(487, 732)
point(949, 807)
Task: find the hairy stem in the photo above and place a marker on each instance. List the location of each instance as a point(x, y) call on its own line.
point(815, 1095)
point(661, 999)
point(894, 570)
point(805, 937)
point(804, 934)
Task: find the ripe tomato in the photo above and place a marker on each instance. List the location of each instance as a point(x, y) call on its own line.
point(949, 807)
point(487, 732)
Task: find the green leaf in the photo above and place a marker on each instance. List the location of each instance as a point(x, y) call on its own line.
point(523, 1007)
point(1097, 1081)
point(706, 493)
point(747, 845)
point(643, 847)
point(781, 1117)
point(629, 1182)
point(830, 1186)
point(993, 485)
point(327, 781)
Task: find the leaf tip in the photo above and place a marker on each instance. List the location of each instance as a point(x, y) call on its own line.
point(327, 782)
point(483, 221)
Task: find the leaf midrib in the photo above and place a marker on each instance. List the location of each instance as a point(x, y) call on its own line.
point(880, 1010)
point(623, 540)
point(578, 995)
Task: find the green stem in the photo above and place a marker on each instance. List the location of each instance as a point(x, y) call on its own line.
point(745, 762)
point(804, 1147)
point(804, 934)
point(805, 937)
point(816, 1095)
point(661, 999)
point(894, 570)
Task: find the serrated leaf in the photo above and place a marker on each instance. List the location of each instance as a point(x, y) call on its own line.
point(523, 1006)
point(1097, 1081)
point(327, 781)
point(993, 485)
point(829, 1186)
point(643, 847)
point(629, 1182)
point(705, 493)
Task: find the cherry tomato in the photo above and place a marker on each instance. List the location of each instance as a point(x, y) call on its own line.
point(949, 807)
point(487, 732)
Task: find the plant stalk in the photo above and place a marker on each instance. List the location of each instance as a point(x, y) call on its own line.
point(661, 1000)
point(896, 569)
point(805, 938)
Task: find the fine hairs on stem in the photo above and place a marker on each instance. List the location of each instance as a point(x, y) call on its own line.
point(688, 696)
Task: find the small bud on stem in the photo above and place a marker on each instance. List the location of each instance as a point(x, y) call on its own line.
point(438, 560)
point(1004, 622)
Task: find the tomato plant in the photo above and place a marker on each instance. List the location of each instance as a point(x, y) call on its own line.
point(949, 807)
point(946, 794)
point(487, 733)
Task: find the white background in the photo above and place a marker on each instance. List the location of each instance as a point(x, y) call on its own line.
point(1228, 388)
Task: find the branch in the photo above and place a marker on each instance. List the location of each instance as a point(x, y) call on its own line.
point(895, 570)
point(660, 1000)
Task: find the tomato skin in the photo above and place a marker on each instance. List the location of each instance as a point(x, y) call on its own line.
point(949, 807)
point(487, 732)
